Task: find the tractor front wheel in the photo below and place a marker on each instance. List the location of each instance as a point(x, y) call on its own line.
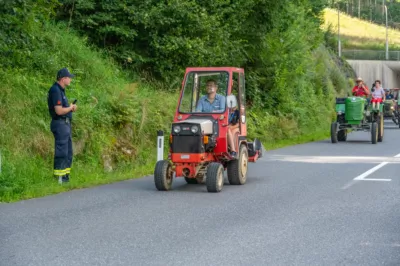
point(215, 177)
point(334, 135)
point(374, 132)
point(342, 135)
point(163, 175)
point(380, 128)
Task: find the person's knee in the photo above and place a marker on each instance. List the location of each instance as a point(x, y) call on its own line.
point(61, 148)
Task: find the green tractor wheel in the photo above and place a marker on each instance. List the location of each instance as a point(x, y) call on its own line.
point(381, 128)
point(342, 135)
point(334, 135)
point(374, 133)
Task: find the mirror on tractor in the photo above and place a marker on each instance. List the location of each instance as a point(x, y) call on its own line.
point(231, 101)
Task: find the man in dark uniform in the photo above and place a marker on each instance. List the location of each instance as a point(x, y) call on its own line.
point(61, 113)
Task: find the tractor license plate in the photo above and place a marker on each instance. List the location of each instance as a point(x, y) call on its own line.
point(185, 156)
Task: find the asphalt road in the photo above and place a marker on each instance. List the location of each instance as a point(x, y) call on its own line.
point(301, 206)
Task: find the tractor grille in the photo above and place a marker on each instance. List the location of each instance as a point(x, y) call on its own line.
point(187, 144)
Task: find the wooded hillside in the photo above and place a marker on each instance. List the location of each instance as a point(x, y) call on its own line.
point(130, 55)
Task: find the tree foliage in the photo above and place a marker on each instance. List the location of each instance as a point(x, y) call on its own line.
point(164, 37)
point(18, 20)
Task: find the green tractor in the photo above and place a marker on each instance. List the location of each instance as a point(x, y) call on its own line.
point(396, 112)
point(356, 114)
point(388, 109)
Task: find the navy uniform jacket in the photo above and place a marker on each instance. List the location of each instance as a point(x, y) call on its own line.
point(56, 96)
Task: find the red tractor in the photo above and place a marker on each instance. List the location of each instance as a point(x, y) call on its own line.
point(209, 132)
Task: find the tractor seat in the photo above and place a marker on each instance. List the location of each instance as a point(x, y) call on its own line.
point(341, 100)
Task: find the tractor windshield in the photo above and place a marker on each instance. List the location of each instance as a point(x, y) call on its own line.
point(204, 92)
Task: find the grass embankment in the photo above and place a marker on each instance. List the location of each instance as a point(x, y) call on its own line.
point(360, 34)
point(114, 126)
point(118, 116)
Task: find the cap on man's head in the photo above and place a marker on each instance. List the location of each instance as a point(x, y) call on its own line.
point(62, 73)
point(359, 79)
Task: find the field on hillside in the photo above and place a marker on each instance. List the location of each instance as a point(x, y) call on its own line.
point(360, 34)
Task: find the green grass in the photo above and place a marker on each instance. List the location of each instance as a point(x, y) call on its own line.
point(360, 34)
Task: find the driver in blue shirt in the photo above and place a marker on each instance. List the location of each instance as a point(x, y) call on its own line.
point(389, 95)
point(212, 102)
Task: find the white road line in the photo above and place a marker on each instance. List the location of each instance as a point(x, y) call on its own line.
point(370, 171)
point(363, 176)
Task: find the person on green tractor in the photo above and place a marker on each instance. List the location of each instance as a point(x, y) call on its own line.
point(361, 89)
point(389, 94)
point(378, 95)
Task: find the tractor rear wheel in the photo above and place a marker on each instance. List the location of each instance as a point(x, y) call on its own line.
point(163, 175)
point(380, 128)
point(374, 133)
point(334, 135)
point(237, 169)
point(215, 177)
point(342, 135)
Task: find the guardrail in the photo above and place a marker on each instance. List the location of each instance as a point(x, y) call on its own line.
point(370, 55)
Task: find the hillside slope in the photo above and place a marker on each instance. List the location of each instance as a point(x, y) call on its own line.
point(115, 125)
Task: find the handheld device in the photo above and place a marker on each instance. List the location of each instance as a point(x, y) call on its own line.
point(74, 102)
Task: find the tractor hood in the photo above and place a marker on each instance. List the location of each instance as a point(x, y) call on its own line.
point(206, 126)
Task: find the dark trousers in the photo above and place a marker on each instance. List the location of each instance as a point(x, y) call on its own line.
point(62, 147)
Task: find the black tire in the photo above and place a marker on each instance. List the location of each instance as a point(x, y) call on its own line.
point(163, 175)
point(215, 177)
point(334, 137)
point(191, 180)
point(380, 128)
point(374, 133)
point(342, 135)
point(237, 169)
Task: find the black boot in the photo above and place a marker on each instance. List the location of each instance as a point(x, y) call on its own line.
point(65, 178)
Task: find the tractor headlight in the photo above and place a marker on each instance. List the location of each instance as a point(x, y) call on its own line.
point(177, 129)
point(391, 107)
point(194, 129)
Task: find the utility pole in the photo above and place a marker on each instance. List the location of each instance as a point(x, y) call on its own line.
point(370, 10)
point(338, 15)
point(387, 43)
